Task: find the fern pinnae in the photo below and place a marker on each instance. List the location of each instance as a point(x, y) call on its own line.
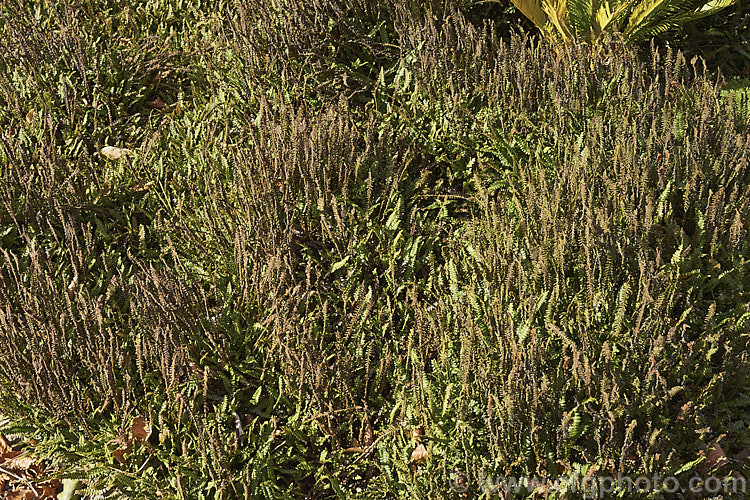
point(621, 307)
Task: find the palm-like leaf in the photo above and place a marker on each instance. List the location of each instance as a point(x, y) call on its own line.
point(609, 15)
point(557, 13)
point(651, 17)
point(532, 9)
point(565, 20)
point(581, 20)
point(705, 10)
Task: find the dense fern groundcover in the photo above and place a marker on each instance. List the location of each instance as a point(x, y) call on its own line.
point(355, 249)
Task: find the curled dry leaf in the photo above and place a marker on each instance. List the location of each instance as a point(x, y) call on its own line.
point(419, 454)
point(140, 430)
point(125, 447)
point(19, 473)
point(18, 461)
point(22, 494)
point(119, 455)
point(113, 153)
point(156, 104)
point(715, 457)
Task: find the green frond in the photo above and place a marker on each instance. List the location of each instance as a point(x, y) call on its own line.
point(708, 9)
point(580, 14)
point(651, 17)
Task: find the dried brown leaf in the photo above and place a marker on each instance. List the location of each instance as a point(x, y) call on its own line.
point(113, 153)
point(141, 429)
point(126, 447)
point(715, 457)
point(119, 455)
point(157, 103)
point(21, 494)
point(20, 462)
point(5, 446)
point(419, 454)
